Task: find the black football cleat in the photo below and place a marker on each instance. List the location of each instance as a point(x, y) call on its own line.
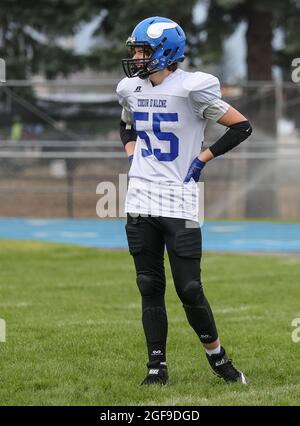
point(223, 368)
point(157, 374)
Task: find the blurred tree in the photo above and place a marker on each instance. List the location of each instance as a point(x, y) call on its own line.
point(262, 18)
point(121, 18)
point(35, 37)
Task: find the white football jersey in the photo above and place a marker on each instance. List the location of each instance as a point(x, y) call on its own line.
point(170, 120)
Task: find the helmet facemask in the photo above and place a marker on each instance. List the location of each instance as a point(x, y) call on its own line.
point(141, 68)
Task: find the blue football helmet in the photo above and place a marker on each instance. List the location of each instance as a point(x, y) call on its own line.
point(163, 43)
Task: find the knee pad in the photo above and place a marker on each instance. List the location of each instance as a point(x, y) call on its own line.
point(150, 285)
point(192, 293)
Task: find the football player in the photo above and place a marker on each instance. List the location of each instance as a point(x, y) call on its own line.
point(165, 111)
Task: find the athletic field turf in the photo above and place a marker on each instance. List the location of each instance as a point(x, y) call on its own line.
point(74, 335)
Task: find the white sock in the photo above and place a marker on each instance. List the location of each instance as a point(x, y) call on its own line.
point(215, 351)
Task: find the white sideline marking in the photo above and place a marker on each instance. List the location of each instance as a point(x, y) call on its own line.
point(129, 306)
point(38, 222)
point(267, 242)
point(225, 228)
point(41, 234)
point(15, 305)
point(98, 322)
point(2, 330)
point(246, 318)
point(70, 234)
point(193, 400)
point(229, 310)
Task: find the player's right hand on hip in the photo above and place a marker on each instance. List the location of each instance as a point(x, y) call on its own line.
point(194, 171)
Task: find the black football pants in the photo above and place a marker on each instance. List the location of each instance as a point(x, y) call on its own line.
point(147, 237)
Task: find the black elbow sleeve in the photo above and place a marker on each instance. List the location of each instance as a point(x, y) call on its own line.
point(127, 133)
point(236, 134)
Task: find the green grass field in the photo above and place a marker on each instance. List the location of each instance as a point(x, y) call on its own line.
point(74, 335)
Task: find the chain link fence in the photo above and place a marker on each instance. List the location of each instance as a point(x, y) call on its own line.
point(59, 139)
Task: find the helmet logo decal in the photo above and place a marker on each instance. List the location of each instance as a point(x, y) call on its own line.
point(155, 30)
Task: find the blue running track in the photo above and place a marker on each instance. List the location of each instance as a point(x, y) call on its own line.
point(217, 235)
